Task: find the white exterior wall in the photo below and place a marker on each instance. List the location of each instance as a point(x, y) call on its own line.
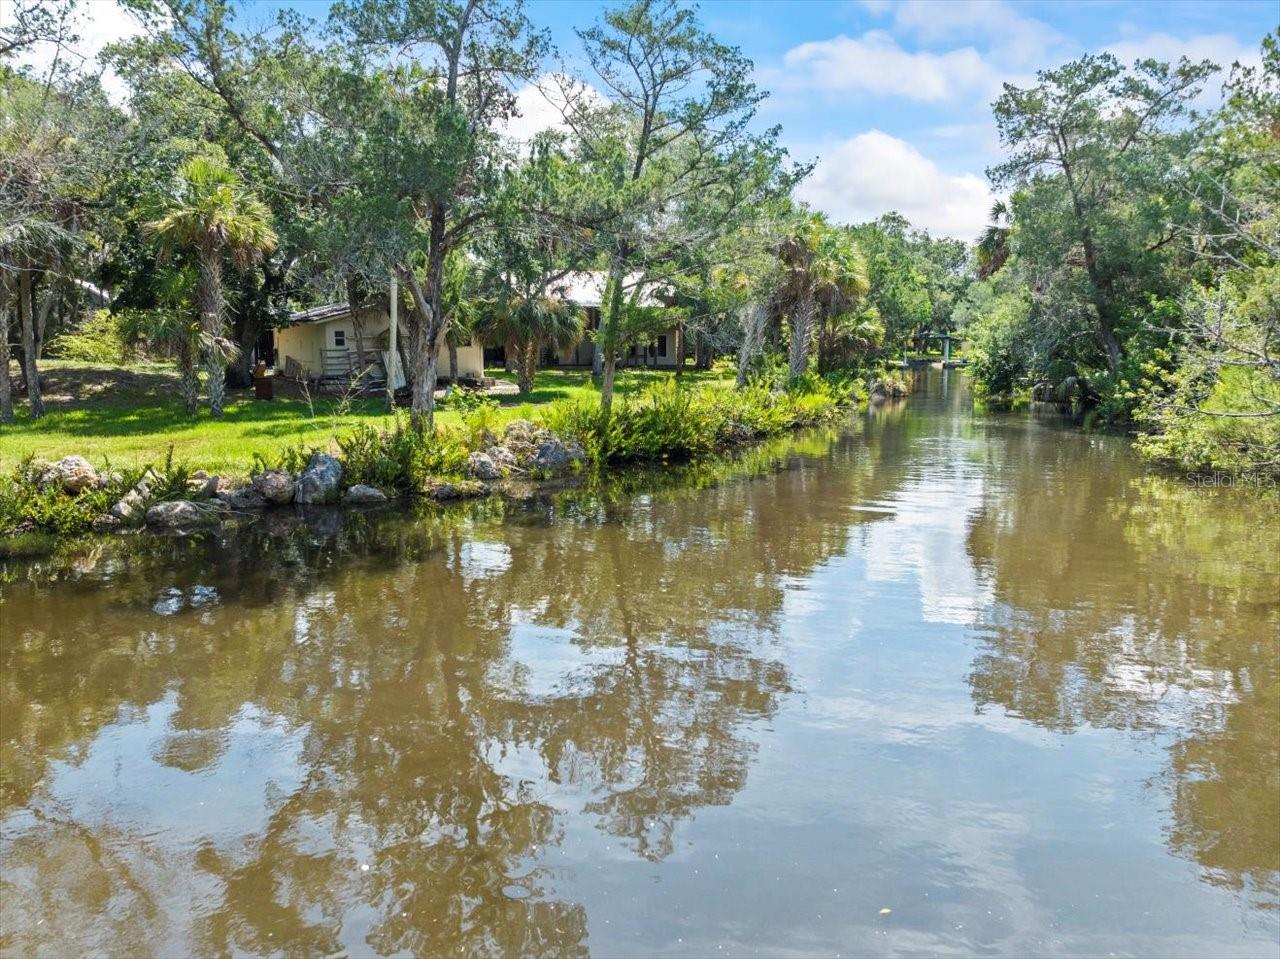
point(302, 343)
point(305, 341)
point(572, 357)
point(667, 359)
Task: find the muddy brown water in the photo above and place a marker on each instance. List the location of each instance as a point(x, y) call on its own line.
point(944, 682)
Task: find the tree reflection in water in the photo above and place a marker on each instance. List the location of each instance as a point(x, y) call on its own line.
point(419, 778)
point(419, 735)
point(1147, 604)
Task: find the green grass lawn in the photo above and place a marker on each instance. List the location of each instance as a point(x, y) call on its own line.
point(131, 415)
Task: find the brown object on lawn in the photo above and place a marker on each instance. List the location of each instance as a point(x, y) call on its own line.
point(263, 383)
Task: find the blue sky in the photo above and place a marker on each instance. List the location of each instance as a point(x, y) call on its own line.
point(893, 96)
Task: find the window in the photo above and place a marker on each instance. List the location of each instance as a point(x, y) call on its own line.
point(339, 337)
point(662, 346)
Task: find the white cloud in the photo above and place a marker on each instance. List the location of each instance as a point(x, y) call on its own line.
point(97, 23)
point(537, 113)
point(541, 106)
point(1011, 37)
point(1222, 48)
point(875, 63)
point(860, 178)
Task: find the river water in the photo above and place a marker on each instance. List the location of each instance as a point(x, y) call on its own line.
point(941, 682)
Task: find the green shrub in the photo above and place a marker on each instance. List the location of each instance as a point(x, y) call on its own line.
point(462, 400)
point(291, 459)
point(480, 423)
point(400, 458)
point(99, 339)
point(26, 506)
point(1001, 346)
point(577, 420)
point(1209, 437)
point(665, 422)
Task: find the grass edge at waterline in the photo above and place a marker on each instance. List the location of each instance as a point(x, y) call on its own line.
point(659, 424)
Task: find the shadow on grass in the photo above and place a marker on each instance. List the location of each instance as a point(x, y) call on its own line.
point(125, 414)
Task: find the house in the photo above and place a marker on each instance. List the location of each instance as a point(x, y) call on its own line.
point(325, 343)
point(587, 289)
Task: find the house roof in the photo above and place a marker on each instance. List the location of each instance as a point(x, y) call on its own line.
point(320, 314)
point(99, 296)
point(586, 288)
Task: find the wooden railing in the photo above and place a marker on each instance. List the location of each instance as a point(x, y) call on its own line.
point(339, 368)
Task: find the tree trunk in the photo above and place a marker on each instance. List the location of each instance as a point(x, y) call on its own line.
point(245, 328)
point(801, 335)
point(531, 364)
point(42, 316)
point(608, 367)
point(825, 345)
point(239, 372)
point(703, 355)
point(453, 362)
point(189, 375)
point(250, 322)
point(27, 318)
point(753, 327)
point(526, 365)
point(6, 387)
point(357, 326)
point(608, 337)
point(433, 324)
point(423, 392)
point(679, 347)
point(209, 299)
point(1101, 303)
point(427, 332)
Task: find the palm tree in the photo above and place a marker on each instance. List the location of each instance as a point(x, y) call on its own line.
point(31, 248)
point(459, 306)
point(6, 390)
point(213, 216)
point(824, 275)
point(175, 331)
point(993, 246)
point(527, 325)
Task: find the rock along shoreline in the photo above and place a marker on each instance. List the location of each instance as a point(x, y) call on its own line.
point(525, 455)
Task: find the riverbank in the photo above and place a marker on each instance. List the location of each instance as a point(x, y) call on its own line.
point(609, 686)
point(132, 414)
point(484, 453)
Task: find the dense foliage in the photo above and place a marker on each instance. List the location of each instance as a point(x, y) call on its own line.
point(261, 166)
point(1135, 266)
